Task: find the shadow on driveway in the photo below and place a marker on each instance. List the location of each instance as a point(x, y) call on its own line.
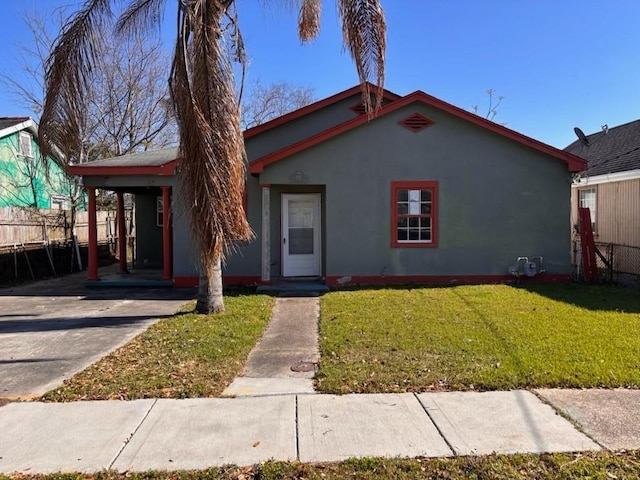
point(55, 324)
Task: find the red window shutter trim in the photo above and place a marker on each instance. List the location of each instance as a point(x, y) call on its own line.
point(431, 185)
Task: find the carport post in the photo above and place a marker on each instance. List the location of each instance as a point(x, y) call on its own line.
point(93, 236)
point(167, 261)
point(122, 236)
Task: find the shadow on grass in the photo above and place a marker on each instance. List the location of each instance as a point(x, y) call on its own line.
point(591, 297)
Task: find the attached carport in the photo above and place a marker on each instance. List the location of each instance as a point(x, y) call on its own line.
point(150, 176)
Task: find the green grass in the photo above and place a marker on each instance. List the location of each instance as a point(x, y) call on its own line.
point(187, 355)
point(479, 337)
point(603, 465)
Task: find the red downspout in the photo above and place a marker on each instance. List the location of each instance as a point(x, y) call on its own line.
point(167, 261)
point(122, 236)
point(93, 236)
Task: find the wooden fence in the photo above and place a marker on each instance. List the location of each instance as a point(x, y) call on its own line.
point(27, 226)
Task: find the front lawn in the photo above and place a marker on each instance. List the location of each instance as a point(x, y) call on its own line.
point(187, 355)
point(484, 337)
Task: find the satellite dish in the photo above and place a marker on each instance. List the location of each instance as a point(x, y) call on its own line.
point(581, 136)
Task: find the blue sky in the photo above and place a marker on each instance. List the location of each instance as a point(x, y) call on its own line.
point(558, 63)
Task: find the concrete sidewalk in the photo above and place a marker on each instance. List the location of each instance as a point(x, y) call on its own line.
point(202, 433)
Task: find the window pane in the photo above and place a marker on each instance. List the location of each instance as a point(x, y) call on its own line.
point(402, 195)
point(414, 222)
point(414, 202)
point(425, 195)
point(300, 241)
point(425, 234)
point(402, 234)
point(425, 209)
point(300, 213)
point(414, 234)
point(403, 208)
point(403, 222)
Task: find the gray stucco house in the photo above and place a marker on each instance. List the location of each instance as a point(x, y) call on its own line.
point(424, 192)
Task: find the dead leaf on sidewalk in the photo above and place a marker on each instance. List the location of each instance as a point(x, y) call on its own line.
point(256, 443)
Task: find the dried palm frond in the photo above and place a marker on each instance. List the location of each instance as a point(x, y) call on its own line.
point(212, 170)
point(364, 35)
point(309, 19)
point(67, 79)
point(141, 15)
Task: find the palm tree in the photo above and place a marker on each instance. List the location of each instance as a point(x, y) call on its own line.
point(212, 167)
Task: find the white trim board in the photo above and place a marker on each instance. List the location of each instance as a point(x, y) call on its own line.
point(607, 178)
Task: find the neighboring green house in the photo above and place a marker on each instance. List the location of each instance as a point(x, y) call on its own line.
point(23, 177)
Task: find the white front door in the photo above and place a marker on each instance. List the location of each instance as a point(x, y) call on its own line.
point(301, 235)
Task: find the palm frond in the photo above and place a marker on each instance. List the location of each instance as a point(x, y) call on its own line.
point(364, 35)
point(140, 15)
point(212, 170)
point(67, 79)
point(309, 19)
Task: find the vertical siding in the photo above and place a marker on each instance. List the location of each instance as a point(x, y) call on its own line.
point(618, 212)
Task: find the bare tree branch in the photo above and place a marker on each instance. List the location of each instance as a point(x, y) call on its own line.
point(265, 103)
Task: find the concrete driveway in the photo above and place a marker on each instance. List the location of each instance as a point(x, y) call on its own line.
point(53, 329)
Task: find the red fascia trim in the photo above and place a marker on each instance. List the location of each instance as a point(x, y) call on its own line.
point(276, 122)
point(345, 280)
point(574, 163)
point(423, 184)
point(193, 280)
point(87, 171)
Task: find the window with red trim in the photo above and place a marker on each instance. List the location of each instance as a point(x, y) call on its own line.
point(414, 212)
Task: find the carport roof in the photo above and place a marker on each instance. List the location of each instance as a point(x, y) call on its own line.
point(153, 162)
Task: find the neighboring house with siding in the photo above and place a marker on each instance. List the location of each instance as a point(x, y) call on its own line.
point(424, 192)
point(23, 178)
point(610, 187)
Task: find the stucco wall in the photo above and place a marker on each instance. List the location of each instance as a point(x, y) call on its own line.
point(302, 128)
point(497, 199)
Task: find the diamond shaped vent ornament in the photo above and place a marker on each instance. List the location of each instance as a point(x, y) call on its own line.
point(416, 122)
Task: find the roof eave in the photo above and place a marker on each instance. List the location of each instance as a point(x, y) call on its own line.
point(166, 169)
point(320, 104)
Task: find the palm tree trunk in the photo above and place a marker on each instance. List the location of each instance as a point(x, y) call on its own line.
point(210, 298)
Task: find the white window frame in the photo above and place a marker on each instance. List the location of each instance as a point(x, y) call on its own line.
point(590, 202)
point(59, 199)
point(25, 146)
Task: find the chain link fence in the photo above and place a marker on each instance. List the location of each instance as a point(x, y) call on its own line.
point(616, 263)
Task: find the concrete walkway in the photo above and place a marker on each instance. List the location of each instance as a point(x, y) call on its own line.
point(202, 433)
point(284, 360)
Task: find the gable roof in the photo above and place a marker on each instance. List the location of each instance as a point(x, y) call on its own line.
point(617, 150)
point(152, 162)
point(10, 125)
point(574, 163)
point(313, 107)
